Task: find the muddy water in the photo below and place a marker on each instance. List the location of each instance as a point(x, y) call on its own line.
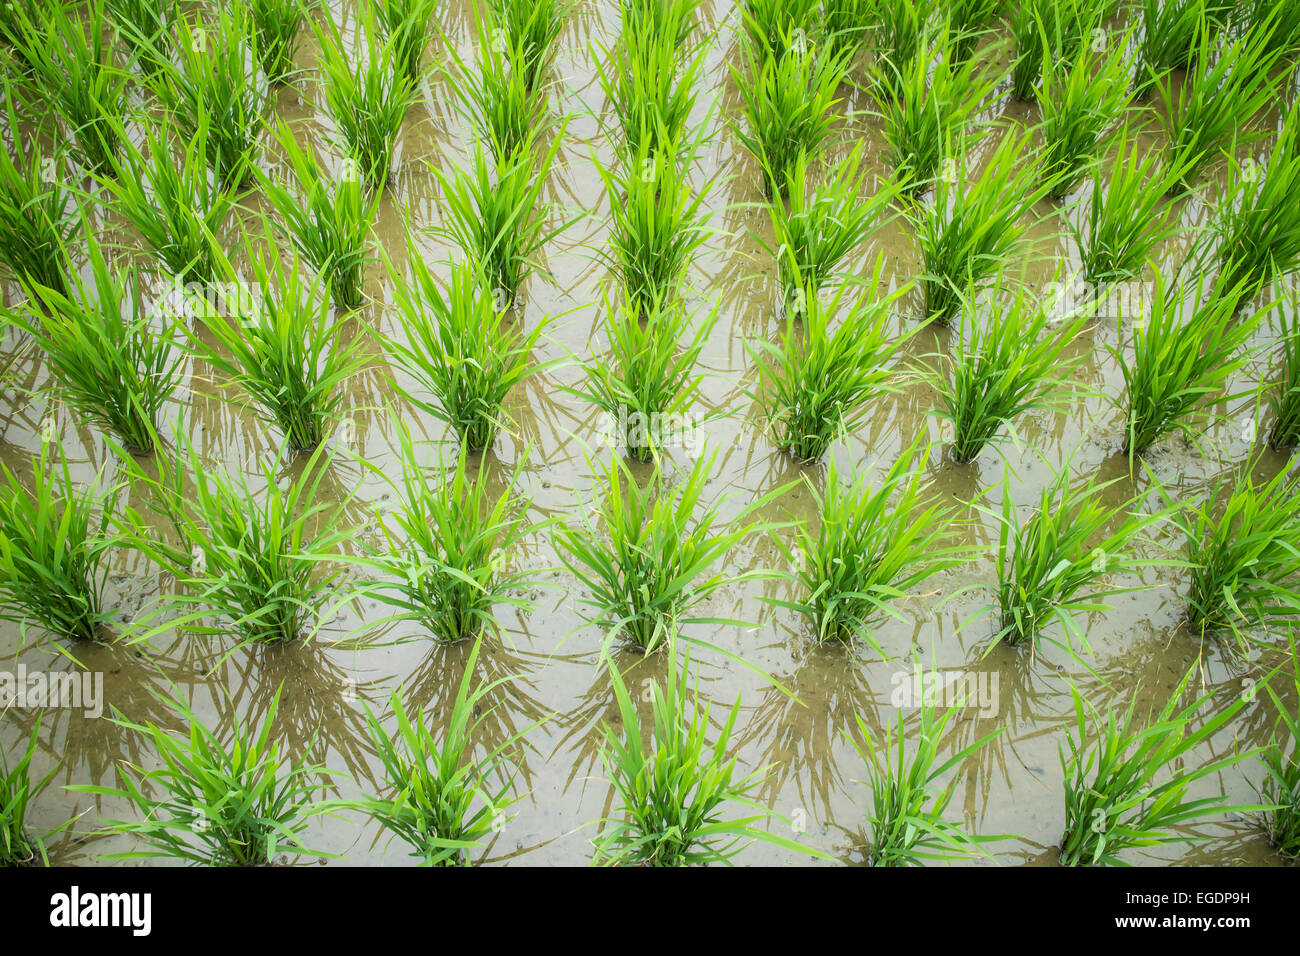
point(560, 688)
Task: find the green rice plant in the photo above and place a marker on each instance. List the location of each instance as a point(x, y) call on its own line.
point(1178, 366)
point(216, 86)
point(787, 104)
point(775, 27)
point(904, 830)
point(820, 227)
point(1045, 32)
point(409, 26)
point(672, 19)
point(530, 30)
point(275, 29)
point(1243, 554)
point(1005, 363)
point(497, 218)
point(673, 788)
point(1057, 564)
point(1202, 115)
point(845, 22)
point(146, 27)
point(329, 223)
point(1176, 34)
point(496, 98)
point(1280, 788)
point(367, 95)
point(656, 227)
point(971, 230)
point(1278, 20)
point(816, 381)
point(442, 803)
point(647, 381)
point(53, 540)
point(971, 20)
point(894, 32)
point(1113, 802)
point(1081, 99)
point(282, 348)
point(18, 847)
point(461, 348)
point(113, 363)
point(1284, 399)
point(444, 555)
point(210, 803)
point(874, 544)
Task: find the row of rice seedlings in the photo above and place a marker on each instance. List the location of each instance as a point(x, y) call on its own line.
point(1009, 363)
point(531, 29)
point(873, 546)
point(409, 25)
point(328, 222)
point(18, 846)
point(53, 539)
point(276, 28)
point(1178, 366)
point(1113, 801)
point(1045, 32)
point(815, 382)
point(971, 230)
point(895, 29)
point(775, 27)
point(366, 95)
point(1176, 35)
point(1284, 398)
point(1280, 788)
point(443, 567)
point(787, 103)
point(113, 360)
point(647, 382)
point(146, 27)
point(460, 347)
point(907, 802)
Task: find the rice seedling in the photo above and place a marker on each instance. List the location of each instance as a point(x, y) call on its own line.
point(845, 22)
point(409, 25)
point(534, 26)
point(497, 219)
point(1005, 363)
point(1113, 802)
point(656, 227)
point(895, 29)
point(1276, 19)
point(1057, 564)
point(276, 33)
point(670, 19)
point(647, 381)
point(775, 27)
point(217, 86)
point(673, 787)
point(1176, 34)
point(1081, 100)
point(210, 803)
point(367, 96)
point(460, 347)
point(1202, 114)
point(904, 830)
point(113, 364)
point(442, 803)
point(18, 847)
point(972, 229)
point(874, 545)
point(146, 26)
point(329, 223)
point(53, 540)
point(1284, 399)
point(1178, 366)
point(816, 381)
point(820, 227)
point(787, 107)
point(971, 20)
point(1045, 32)
point(1280, 788)
point(283, 348)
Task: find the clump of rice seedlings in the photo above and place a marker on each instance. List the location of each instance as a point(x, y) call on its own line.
point(276, 33)
point(1178, 366)
point(1126, 216)
point(1006, 362)
point(816, 381)
point(367, 96)
point(443, 564)
point(1045, 32)
point(284, 349)
point(460, 347)
point(1176, 34)
point(1203, 114)
point(442, 804)
point(113, 364)
point(409, 25)
point(775, 27)
point(1080, 100)
point(787, 102)
point(647, 381)
point(53, 540)
point(217, 87)
point(874, 544)
point(656, 227)
point(845, 22)
point(530, 30)
point(1278, 20)
point(970, 21)
point(1243, 554)
point(497, 218)
point(972, 229)
point(177, 208)
point(673, 788)
point(1284, 399)
point(1113, 802)
point(1280, 788)
point(328, 222)
point(1056, 564)
point(895, 29)
point(210, 803)
point(496, 99)
point(907, 803)
point(146, 26)
point(18, 847)
point(821, 226)
point(673, 19)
